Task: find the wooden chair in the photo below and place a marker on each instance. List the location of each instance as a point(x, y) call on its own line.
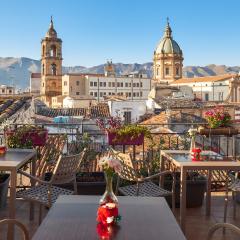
point(46, 192)
point(216, 226)
point(234, 186)
point(49, 154)
point(25, 234)
point(143, 186)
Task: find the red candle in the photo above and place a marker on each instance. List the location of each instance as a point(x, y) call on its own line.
point(3, 149)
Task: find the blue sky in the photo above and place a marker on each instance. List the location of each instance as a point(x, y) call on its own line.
point(122, 30)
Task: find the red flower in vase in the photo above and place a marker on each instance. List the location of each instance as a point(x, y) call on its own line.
point(107, 214)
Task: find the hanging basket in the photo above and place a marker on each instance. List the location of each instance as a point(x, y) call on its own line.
point(113, 139)
point(226, 131)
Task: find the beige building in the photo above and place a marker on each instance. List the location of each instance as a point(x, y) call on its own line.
point(167, 59)
point(6, 90)
point(51, 65)
point(211, 88)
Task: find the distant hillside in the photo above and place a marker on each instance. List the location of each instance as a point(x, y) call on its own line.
point(17, 70)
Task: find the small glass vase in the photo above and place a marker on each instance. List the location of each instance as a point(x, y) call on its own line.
point(192, 144)
point(108, 196)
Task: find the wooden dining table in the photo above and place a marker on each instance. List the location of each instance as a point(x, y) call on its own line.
point(11, 162)
point(74, 217)
point(181, 161)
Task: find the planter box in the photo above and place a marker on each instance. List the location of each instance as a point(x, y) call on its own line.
point(227, 131)
point(88, 183)
point(37, 137)
point(4, 190)
point(194, 193)
point(128, 140)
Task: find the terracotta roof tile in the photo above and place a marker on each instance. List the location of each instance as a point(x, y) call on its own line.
point(203, 79)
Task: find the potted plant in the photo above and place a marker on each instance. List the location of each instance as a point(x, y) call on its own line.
point(196, 187)
point(26, 136)
point(218, 123)
point(119, 134)
point(4, 182)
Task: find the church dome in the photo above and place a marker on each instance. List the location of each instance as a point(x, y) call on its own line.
point(51, 33)
point(167, 44)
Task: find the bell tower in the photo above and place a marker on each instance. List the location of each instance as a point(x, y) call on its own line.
point(51, 65)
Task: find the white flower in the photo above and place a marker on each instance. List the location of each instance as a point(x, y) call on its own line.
point(110, 219)
point(192, 131)
point(110, 162)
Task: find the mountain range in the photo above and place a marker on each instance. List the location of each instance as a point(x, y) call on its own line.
point(16, 71)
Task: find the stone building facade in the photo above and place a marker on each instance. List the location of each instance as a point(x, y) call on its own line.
point(167, 59)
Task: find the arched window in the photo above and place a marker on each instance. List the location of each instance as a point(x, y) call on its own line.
point(53, 51)
point(177, 71)
point(43, 69)
point(54, 69)
point(43, 50)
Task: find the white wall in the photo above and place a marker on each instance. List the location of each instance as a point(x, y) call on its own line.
point(137, 108)
point(216, 91)
point(35, 85)
point(133, 88)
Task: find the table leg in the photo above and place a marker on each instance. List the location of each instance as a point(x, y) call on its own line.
point(33, 182)
point(161, 169)
point(208, 194)
point(12, 203)
point(183, 199)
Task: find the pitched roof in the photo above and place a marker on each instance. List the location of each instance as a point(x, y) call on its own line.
point(203, 79)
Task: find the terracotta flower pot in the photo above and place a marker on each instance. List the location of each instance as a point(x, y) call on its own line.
point(227, 131)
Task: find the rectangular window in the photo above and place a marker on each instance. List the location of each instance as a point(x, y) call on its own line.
point(137, 84)
point(109, 84)
point(141, 94)
point(206, 96)
point(127, 117)
point(91, 93)
point(134, 94)
point(141, 85)
point(104, 84)
point(109, 93)
point(126, 84)
point(121, 84)
point(77, 93)
point(101, 94)
point(78, 83)
point(65, 83)
point(134, 84)
point(113, 84)
point(3, 90)
point(95, 94)
point(129, 94)
point(167, 71)
point(95, 84)
point(91, 84)
point(137, 94)
point(101, 84)
point(129, 84)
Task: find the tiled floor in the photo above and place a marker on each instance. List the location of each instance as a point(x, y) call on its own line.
point(197, 223)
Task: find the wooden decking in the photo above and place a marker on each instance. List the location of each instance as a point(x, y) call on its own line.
point(196, 228)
